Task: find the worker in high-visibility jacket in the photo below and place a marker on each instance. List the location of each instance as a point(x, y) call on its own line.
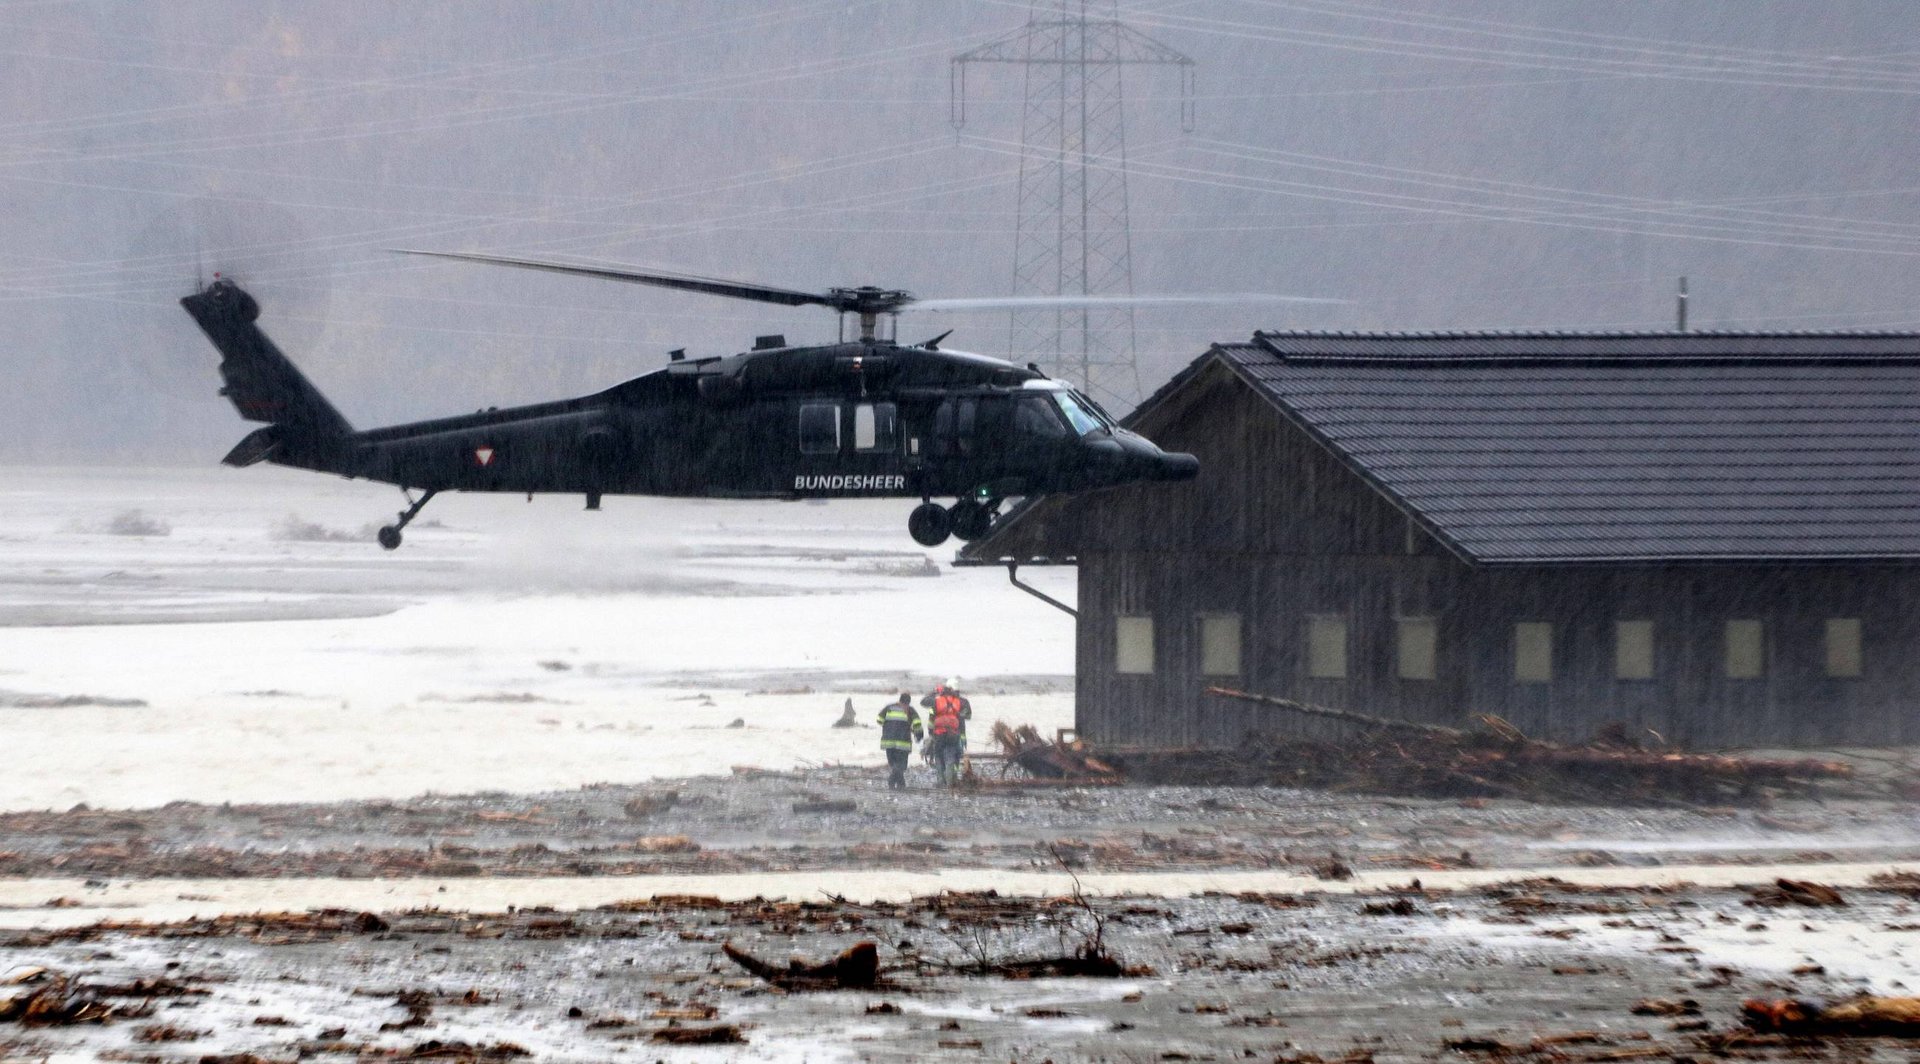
point(949, 711)
point(899, 730)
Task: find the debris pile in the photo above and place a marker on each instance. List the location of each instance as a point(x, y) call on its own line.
point(1794, 892)
point(1494, 760)
point(53, 1000)
point(1052, 762)
point(972, 920)
point(1895, 1016)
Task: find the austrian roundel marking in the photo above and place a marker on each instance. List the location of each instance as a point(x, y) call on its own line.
point(483, 456)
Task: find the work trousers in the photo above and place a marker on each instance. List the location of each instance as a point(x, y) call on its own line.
point(897, 767)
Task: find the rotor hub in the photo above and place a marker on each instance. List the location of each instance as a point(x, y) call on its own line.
point(869, 300)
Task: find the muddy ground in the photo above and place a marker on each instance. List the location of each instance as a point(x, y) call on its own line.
point(1530, 971)
point(755, 821)
point(1526, 970)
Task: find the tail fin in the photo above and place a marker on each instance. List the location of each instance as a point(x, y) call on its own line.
point(262, 382)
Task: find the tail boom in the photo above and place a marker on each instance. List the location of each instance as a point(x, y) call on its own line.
point(264, 385)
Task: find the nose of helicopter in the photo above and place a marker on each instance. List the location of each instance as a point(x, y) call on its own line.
point(1123, 457)
point(1177, 466)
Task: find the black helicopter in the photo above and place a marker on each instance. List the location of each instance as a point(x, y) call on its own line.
point(855, 419)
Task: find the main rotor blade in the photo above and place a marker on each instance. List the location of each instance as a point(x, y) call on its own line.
point(686, 282)
point(1049, 302)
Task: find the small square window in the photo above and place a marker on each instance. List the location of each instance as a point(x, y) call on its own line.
point(1133, 645)
point(1417, 645)
point(1327, 648)
point(1746, 649)
point(1633, 650)
point(1220, 645)
point(1533, 652)
point(1844, 657)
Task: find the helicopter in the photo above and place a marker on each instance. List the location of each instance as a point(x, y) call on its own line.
point(859, 418)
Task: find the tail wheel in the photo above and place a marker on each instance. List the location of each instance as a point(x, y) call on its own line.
point(971, 520)
point(389, 537)
point(929, 524)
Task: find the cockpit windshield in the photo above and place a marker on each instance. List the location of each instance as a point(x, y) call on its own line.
point(1080, 412)
point(1098, 411)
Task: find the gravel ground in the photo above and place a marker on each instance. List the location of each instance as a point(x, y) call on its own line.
point(845, 817)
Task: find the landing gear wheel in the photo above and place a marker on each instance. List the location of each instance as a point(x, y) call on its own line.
point(971, 520)
point(390, 534)
point(929, 524)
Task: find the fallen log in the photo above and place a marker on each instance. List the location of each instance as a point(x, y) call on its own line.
point(1349, 716)
point(1043, 782)
point(723, 1034)
point(1088, 963)
point(825, 807)
point(856, 969)
point(1794, 892)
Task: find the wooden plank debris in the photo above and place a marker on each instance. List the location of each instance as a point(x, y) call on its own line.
point(1066, 762)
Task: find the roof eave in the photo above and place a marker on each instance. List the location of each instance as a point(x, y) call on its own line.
point(1622, 560)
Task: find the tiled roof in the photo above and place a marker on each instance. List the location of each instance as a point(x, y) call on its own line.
point(1565, 447)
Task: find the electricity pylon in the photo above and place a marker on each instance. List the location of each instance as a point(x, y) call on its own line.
point(1071, 237)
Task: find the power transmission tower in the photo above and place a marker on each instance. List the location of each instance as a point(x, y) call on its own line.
point(1071, 237)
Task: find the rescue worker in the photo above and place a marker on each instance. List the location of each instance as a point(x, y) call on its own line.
point(899, 730)
point(949, 712)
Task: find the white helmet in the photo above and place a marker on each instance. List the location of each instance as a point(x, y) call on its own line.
point(952, 684)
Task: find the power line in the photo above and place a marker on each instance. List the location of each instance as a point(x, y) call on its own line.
point(1071, 231)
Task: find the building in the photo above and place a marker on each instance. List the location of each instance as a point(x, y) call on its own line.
point(1711, 536)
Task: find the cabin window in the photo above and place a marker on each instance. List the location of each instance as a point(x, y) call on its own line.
point(1844, 658)
point(1327, 647)
point(1035, 417)
point(1220, 645)
point(1633, 650)
point(820, 428)
point(953, 428)
point(1533, 652)
point(875, 427)
point(1746, 649)
point(1133, 645)
point(1416, 649)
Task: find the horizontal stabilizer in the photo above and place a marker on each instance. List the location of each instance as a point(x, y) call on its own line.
point(257, 447)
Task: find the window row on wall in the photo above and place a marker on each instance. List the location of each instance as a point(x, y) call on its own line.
point(1742, 650)
point(1416, 648)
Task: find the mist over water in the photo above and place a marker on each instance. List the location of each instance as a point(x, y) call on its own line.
point(1485, 163)
point(507, 646)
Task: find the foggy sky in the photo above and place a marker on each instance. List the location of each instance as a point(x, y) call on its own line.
point(1459, 164)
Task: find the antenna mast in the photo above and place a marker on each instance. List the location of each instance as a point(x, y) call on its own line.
point(1072, 236)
